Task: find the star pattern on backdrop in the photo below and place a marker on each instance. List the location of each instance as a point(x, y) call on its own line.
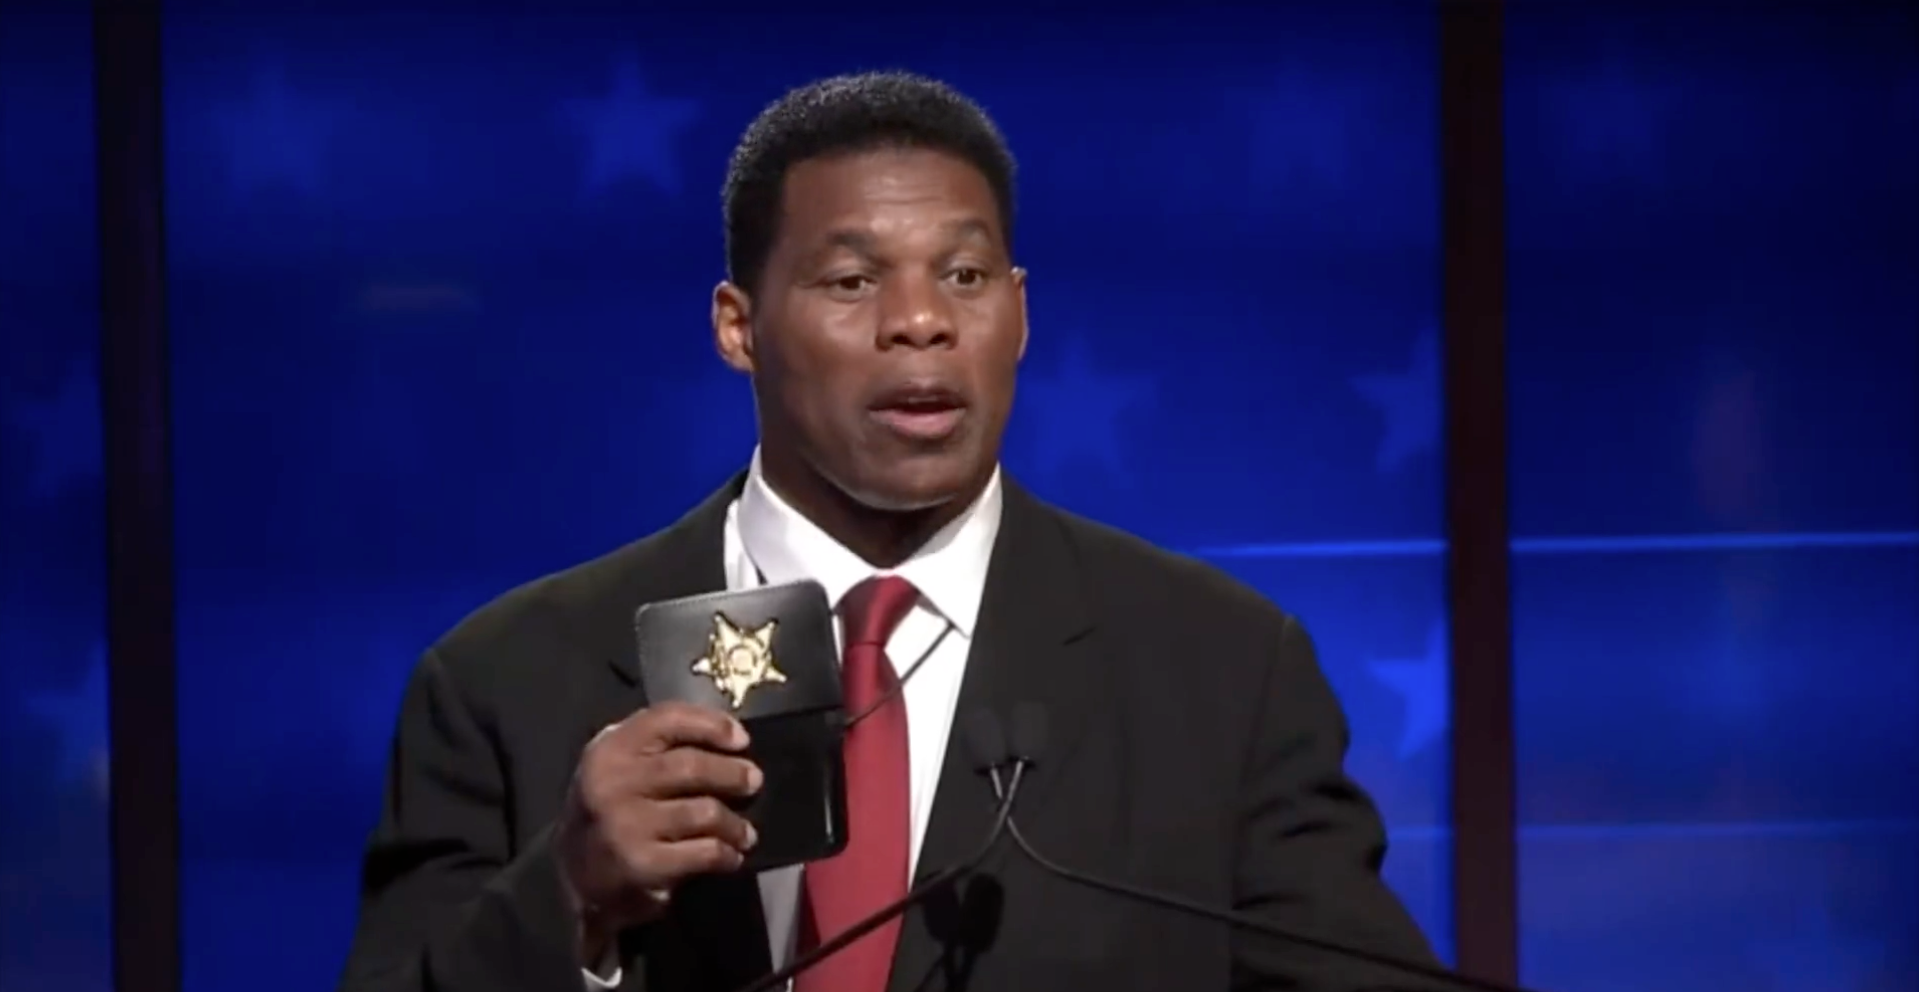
point(64, 430)
point(1612, 121)
point(1408, 400)
point(1303, 131)
point(78, 717)
point(1423, 685)
point(1817, 954)
point(1075, 411)
point(631, 132)
point(276, 137)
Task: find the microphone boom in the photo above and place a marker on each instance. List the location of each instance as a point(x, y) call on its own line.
point(1029, 733)
point(1002, 820)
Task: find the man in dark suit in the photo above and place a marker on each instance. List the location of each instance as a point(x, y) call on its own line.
point(546, 830)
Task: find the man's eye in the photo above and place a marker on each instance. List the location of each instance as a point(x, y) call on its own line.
point(969, 278)
point(850, 284)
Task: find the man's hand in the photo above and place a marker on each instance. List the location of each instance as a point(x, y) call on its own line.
point(648, 810)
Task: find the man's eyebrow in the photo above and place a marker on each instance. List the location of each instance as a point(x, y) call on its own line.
point(858, 241)
point(970, 227)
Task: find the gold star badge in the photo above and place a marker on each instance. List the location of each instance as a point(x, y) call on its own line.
point(739, 660)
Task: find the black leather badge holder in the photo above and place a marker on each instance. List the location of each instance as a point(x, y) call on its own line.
point(768, 657)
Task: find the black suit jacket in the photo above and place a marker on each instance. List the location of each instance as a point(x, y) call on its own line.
point(1194, 746)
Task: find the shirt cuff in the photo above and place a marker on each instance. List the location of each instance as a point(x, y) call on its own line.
point(607, 975)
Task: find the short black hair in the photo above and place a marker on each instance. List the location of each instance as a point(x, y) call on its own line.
point(847, 115)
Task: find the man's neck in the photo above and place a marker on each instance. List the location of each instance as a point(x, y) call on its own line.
point(882, 538)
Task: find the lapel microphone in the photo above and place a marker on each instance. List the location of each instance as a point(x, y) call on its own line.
point(984, 738)
point(1006, 756)
point(899, 684)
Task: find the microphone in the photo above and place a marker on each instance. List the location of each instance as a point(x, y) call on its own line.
point(1023, 749)
point(986, 743)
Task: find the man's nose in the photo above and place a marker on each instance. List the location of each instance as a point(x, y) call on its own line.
point(917, 315)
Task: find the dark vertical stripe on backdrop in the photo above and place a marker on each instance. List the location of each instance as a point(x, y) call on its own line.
point(139, 540)
point(1473, 308)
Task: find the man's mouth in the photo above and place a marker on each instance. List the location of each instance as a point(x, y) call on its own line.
point(920, 413)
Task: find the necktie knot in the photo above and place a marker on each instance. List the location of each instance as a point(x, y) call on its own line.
point(875, 607)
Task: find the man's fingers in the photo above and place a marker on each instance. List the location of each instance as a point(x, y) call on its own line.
point(689, 771)
point(698, 856)
point(688, 819)
point(674, 724)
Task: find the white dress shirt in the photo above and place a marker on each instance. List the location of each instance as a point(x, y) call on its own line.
point(765, 536)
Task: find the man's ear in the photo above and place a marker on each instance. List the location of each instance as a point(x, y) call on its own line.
point(733, 327)
point(1019, 285)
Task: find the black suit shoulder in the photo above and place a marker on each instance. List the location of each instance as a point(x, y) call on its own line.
point(1197, 646)
point(1260, 728)
point(514, 646)
point(460, 892)
point(538, 608)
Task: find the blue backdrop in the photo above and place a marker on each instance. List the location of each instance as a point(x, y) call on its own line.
point(439, 289)
point(53, 692)
point(1714, 358)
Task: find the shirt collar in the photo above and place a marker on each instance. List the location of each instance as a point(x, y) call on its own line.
point(949, 570)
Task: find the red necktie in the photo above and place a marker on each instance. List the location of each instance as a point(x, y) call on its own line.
point(873, 870)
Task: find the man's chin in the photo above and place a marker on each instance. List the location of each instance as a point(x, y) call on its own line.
point(896, 499)
point(895, 491)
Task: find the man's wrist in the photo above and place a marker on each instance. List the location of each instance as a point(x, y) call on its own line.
point(589, 927)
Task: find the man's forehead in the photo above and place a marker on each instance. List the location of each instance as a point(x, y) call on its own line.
point(870, 233)
point(886, 175)
point(860, 201)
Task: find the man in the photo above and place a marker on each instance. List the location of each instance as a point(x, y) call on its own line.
point(545, 829)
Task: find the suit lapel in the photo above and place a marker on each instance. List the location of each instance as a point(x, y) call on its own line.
point(1030, 648)
point(685, 559)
